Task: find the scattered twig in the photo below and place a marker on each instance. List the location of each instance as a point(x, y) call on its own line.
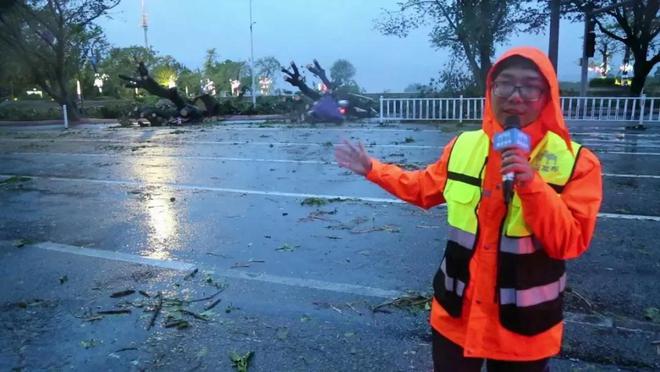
point(191, 274)
point(209, 297)
point(217, 254)
point(157, 310)
point(335, 309)
point(411, 302)
point(351, 307)
point(245, 264)
point(212, 305)
point(93, 318)
point(239, 265)
point(179, 324)
point(145, 294)
point(582, 298)
point(125, 293)
point(388, 228)
point(125, 349)
point(194, 314)
point(114, 312)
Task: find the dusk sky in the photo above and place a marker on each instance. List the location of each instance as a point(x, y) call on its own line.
point(301, 30)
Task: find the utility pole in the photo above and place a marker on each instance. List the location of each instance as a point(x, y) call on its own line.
point(584, 61)
point(254, 92)
point(144, 25)
point(553, 47)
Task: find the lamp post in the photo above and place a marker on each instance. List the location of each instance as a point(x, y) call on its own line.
point(254, 93)
point(145, 26)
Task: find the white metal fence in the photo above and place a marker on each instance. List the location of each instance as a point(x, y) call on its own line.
point(640, 109)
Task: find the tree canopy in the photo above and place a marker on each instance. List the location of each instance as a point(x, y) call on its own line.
point(52, 40)
point(469, 29)
point(635, 25)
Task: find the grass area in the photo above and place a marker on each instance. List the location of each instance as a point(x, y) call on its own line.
point(26, 110)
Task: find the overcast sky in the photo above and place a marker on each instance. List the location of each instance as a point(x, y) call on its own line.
point(301, 30)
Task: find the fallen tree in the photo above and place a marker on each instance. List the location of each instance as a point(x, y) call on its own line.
point(185, 110)
point(335, 104)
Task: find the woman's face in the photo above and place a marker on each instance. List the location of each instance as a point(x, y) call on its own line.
point(519, 91)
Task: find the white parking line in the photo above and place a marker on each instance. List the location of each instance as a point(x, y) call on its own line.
point(216, 189)
point(628, 153)
point(234, 274)
point(219, 143)
point(344, 288)
point(629, 216)
point(250, 160)
point(587, 142)
point(619, 144)
point(591, 134)
point(191, 157)
point(631, 175)
point(115, 256)
point(344, 129)
point(590, 143)
point(283, 194)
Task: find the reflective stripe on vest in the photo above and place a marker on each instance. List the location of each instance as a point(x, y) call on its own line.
point(530, 300)
point(463, 238)
point(525, 245)
point(451, 284)
point(533, 296)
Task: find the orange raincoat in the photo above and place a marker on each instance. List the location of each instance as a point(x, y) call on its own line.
point(563, 224)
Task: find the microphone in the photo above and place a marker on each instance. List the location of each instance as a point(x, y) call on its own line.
point(511, 137)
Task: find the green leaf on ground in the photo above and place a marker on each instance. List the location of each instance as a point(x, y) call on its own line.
point(652, 314)
point(14, 179)
point(286, 247)
point(314, 201)
point(241, 362)
point(413, 302)
point(231, 308)
point(88, 344)
point(20, 243)
point(282, 333)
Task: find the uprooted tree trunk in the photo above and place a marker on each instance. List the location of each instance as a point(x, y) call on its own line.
point(317, 70)
point(293, 77)
point(184, 109)
point(211, 105)
point(360, 106)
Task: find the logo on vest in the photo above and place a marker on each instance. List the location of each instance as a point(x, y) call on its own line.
point(546, 163)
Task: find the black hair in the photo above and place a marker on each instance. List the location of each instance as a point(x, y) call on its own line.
point(514, 61)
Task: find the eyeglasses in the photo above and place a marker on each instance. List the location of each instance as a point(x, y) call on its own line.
point(527, 92)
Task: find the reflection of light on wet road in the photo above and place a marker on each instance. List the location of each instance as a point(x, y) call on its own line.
point(163, 227)
point(161, 223)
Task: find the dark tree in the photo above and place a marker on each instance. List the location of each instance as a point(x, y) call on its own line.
point(636, 25)
point(470, 29)
point(53, 39)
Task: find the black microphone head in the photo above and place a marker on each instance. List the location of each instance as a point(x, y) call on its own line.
point(512, 121)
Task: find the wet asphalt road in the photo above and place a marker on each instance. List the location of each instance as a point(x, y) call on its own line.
point(299, 282)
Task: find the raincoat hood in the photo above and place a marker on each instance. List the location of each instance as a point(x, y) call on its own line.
point(550, 118)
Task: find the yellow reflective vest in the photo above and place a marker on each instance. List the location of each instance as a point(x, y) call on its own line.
point(530, 284)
